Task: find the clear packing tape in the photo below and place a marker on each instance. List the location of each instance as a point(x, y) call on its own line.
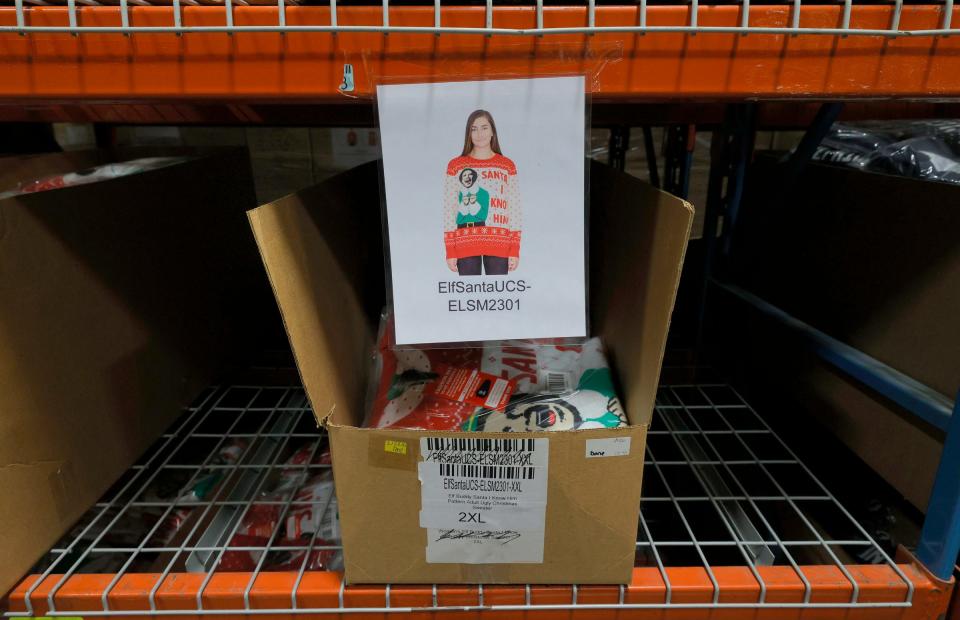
point(497, 386)
point(460, 58)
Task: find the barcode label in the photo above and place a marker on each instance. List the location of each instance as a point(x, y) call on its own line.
point(480, 445)
point(483, 471)
point(483, 485)
point(555, 382)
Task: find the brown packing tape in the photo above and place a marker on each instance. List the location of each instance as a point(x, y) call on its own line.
point(393, 451)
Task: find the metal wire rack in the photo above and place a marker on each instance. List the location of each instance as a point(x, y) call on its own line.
point(730, 518)
point(595, 20)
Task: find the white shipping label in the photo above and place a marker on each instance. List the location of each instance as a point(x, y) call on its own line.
point(611, 446)
point(483, 500)
point(499, 387)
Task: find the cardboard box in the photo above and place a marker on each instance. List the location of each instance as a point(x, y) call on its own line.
point(322, 250)
point(874, 261)
point(119, 304)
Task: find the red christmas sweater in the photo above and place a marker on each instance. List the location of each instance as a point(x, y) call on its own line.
point(481, 211)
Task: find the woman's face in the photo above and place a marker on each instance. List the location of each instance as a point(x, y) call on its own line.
point(481, 133)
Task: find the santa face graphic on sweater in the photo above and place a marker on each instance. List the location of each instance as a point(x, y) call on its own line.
point(531, 412)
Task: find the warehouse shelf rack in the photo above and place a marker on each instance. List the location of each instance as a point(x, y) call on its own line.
point(181, 64)
point(731, 519)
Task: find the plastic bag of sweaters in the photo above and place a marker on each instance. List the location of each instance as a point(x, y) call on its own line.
point(919, 149)
point(494, 386)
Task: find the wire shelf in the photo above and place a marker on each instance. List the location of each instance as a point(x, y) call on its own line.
point(730, 518)
point(595, 23)
point(325, 52)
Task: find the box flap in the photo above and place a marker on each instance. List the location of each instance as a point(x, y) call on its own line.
point(638, 239)
point(321, 250)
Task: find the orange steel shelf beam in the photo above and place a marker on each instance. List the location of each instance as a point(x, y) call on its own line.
point(308, 66)
point(780, 114)
point(81, 594)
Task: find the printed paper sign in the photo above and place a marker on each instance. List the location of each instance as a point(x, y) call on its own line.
point(483, 500)
point(484, 185)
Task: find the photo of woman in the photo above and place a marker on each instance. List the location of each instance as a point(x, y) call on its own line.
point(481, 209)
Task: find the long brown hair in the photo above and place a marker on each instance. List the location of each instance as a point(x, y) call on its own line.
point(468, 143)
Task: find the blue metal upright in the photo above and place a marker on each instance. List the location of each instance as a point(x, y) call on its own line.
point(731, 147)
point(915, 397)
point(681, 140)
point(939, 543)
point(618, 147)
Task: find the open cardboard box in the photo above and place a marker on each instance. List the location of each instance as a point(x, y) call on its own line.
point(117, 307)
point(322, 251)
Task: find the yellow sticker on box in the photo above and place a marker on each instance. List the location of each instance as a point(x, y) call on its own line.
point(396, 447)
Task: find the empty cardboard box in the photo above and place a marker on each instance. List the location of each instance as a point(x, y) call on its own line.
point(118, 307)
point(322, 251)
